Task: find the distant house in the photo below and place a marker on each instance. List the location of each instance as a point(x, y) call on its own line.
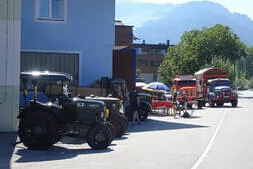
point(123, 34)
point(124, 55)
point(69, 36)
point(149, 57)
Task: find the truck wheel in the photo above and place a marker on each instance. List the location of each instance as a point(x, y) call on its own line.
point(143, 113)
point(199, 105)
point(220, 104)
point(211, 103)
point(98, 136)
point(112, 129)
point(119, 124)
point(234, 103)
point(38, 130)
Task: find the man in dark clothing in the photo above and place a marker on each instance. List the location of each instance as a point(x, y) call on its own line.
point(135, 105)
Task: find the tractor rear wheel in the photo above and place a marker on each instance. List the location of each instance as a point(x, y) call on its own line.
point(38, 130)
point(119, 123)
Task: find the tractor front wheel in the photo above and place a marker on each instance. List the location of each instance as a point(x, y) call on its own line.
point(99, 137)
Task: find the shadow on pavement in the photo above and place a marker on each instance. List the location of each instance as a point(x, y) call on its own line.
point(156, 125)
point(7, 147)
point(245, 97)
point(54, 153)
point(226, 107)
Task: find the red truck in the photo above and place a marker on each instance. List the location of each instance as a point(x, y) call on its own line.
point(188, 85)
point(215, 87)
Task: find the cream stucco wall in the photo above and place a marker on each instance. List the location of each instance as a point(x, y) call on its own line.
point(10, 27)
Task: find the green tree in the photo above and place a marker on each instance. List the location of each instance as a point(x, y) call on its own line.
point(250, 83)
point(250, 51)
point(242, 81)
point(214, 46)
point(249, 62)
point(138, 71)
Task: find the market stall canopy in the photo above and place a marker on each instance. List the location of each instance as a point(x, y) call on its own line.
point(140, 85)
point(156, 86)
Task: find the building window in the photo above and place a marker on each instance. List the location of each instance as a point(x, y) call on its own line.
point(142, 62)
point(50, 10)
point(139, 51)
point(163, 52)
point(155, 77)
point(155, 63)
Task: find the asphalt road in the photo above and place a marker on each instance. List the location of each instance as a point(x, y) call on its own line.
point(213, 138)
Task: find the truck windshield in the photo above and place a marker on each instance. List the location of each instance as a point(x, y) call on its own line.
point(187, 83)
point(220, 83)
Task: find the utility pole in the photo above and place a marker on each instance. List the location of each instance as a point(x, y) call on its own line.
point(234, 75)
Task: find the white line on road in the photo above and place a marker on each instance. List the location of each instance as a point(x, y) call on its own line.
point(204, 154)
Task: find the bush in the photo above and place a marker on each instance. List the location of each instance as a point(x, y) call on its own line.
point(242, 80)
point(250, 83)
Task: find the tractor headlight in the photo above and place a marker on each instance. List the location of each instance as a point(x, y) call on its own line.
point(107, 113)
point(102, 115)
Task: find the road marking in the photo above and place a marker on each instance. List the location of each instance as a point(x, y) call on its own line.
point(204, 154)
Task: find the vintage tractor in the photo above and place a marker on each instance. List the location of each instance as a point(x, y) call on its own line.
point(114, 116)
point(47, 113)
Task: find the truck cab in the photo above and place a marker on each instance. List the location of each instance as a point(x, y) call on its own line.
point(220, 92)
point(188, 85)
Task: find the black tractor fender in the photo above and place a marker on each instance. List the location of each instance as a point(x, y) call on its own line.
point(51, 108)
point(145, 104)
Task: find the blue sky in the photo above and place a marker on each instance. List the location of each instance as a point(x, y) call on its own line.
point(239, 6)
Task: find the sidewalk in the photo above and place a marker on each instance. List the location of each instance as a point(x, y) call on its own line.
point(7, 146)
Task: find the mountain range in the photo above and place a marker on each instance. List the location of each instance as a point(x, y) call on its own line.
point(157, 23)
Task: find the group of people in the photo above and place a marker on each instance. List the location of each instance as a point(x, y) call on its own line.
point(131, 98)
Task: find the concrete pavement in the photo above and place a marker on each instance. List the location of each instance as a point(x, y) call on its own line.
point(160, 142)
point(7, 147)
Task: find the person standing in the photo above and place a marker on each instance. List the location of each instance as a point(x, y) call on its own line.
point(117, 93)
point(125, 95)
point(135, 105)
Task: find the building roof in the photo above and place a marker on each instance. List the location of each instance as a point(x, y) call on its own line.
point(153, 46)
point(118, 47)
point(120, 23)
